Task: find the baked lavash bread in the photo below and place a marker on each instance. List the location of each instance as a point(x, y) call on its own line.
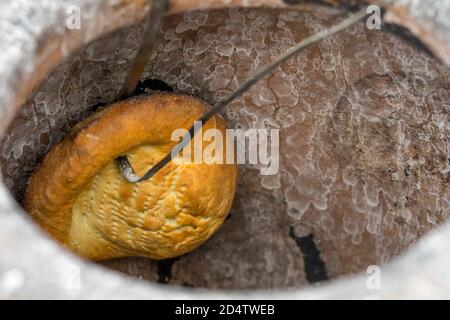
point(78, 195)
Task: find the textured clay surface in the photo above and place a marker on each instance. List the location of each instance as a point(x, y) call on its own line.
point(364, 128)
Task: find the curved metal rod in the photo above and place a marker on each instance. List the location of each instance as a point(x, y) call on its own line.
point(124, 165)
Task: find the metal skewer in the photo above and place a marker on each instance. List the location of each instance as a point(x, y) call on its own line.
point(124, 165)
point(153, 23)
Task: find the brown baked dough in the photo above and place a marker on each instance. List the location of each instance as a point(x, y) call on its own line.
point(78, 195)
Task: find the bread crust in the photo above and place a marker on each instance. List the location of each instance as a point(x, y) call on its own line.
point(78, 195)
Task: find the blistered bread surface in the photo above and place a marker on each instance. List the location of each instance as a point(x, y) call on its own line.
point(78, 195)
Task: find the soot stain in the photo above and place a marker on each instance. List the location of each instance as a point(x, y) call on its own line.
point(152, 85)
point(409, 37)
point(165, 270)
point(314, 266)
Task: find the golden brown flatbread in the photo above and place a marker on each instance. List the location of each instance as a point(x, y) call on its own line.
point(78, 195)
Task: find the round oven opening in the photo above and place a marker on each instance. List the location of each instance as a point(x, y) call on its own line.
point(363, 152)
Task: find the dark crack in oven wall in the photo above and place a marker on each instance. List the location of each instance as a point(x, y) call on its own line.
point(150, 85)
point(165, 270)
point(315, 269)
